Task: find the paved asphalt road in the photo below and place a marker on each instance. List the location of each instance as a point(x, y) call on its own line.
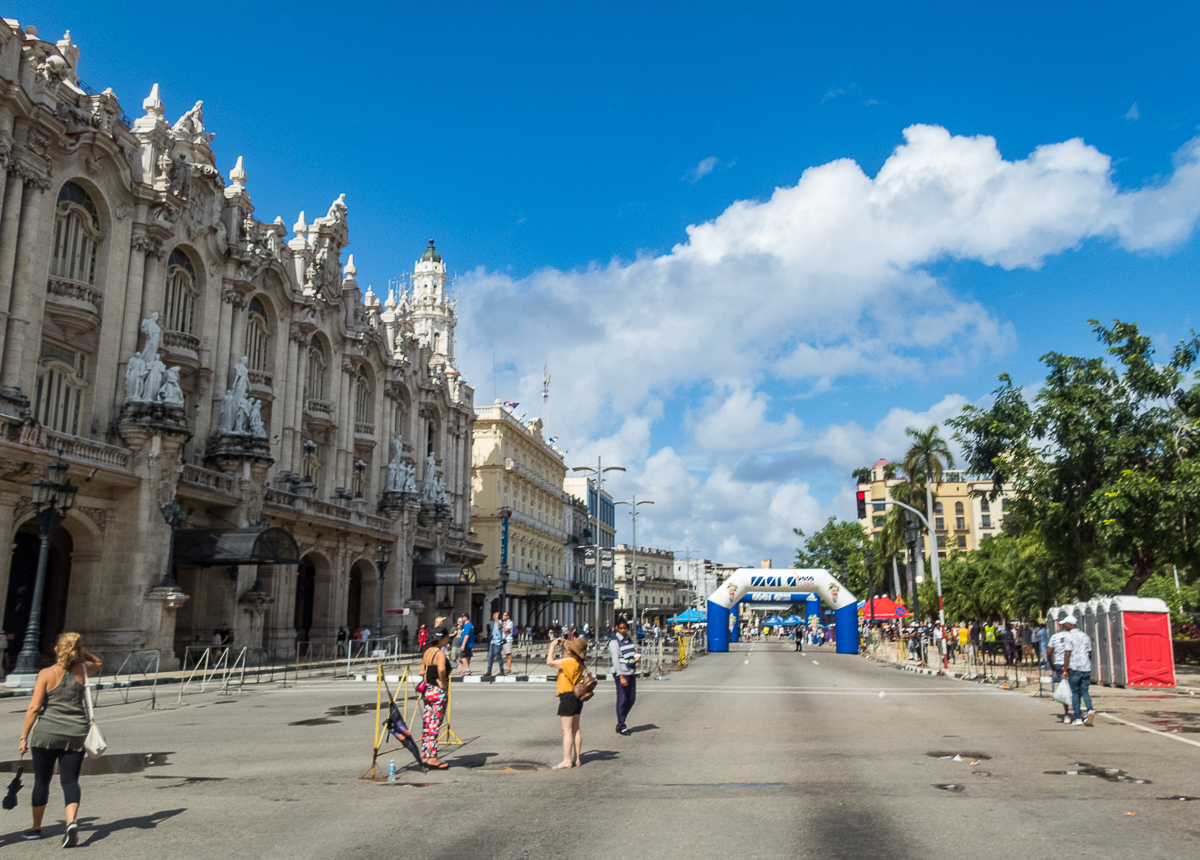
point(758, 752)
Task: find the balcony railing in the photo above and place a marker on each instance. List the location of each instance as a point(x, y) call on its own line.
point(261, 378)
point(362, 428)
point(216, 481)
point(67, 288)
point(320, 406)
point(180, 340)
point(79, 448)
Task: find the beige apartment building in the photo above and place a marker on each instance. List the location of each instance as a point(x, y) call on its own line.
point(962, 517)
point(659, 594)
point(517, 475)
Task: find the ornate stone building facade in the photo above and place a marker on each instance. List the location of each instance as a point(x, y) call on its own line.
point(175, 348)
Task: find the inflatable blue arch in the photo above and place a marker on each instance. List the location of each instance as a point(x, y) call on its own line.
point(790, 581)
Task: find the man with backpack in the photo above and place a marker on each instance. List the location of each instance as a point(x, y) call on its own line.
point(623, 652)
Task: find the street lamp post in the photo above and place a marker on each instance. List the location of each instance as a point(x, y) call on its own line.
point(599, 473)
point(937, 574)
point(175, 516)
point(869, 558)
point(505, 514)
point(310, 448)
point(633, 516)
point(382, 554)
point(53, 495)
point(360, 466)
point(912, 534)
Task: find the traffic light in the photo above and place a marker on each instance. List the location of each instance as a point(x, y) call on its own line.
point(862, 504)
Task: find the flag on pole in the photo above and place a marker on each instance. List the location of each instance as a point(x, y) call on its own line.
point(511, 405)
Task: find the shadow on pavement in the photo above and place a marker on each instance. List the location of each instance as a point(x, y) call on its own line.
point(598, 755)
point(144, 822)
point(472, 760)
point(649, 727)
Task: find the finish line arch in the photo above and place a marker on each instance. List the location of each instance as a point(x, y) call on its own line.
point(790, 581)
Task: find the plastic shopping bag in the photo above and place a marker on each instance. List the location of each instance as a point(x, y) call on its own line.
point(1062, 693)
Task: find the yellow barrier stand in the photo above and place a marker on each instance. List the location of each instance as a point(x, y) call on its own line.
point(381, 717)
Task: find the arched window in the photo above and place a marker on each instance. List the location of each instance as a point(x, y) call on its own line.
point(984, 506)
point(958, 507)
point(179, 310)
point(76, 235)
point(362, 396)
point(437, 343)
point(429, 439)
point(58, 401)
point(316, 369)
point(256, 336)
point(937, 507)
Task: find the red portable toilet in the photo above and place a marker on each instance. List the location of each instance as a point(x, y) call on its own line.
point(1140, 639)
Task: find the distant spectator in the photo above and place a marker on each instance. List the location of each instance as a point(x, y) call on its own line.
point(1077, 661)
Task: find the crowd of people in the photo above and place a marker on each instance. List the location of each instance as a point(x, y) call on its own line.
point(446, 650)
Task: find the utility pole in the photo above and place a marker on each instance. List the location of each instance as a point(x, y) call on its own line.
point(633, 516)
point(599, 473)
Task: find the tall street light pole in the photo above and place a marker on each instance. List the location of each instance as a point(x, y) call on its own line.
point(53, 495)
point(599, 473)
point(633, 516)
point(937, 575)
point(382, 554)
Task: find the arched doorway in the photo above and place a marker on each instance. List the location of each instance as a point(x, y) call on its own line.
point(26, 546)
point(306, 587)
point(354, 598)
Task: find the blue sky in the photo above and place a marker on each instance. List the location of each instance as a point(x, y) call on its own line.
point(559, 152)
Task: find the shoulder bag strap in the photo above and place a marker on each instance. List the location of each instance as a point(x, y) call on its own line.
point(87, 696)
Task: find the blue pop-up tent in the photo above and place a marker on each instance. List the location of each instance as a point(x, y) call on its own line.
point(793, 619)
point(773, 620)
point(689, 616)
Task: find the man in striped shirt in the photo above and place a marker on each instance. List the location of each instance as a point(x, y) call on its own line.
point(623, 651)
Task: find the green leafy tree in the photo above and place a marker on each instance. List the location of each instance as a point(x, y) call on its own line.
point(1103, 460)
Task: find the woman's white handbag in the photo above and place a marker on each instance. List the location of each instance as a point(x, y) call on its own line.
point(94, 743)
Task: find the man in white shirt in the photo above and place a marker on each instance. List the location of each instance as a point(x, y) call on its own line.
point(1054, 657)
point(1077, 661)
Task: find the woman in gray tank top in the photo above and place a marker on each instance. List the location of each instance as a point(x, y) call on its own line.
point(56, 725)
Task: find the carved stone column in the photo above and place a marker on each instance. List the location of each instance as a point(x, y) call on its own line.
point(139, 246)
point(142, 542)
point(10, 223)
point(25, 293)
point(223, 357)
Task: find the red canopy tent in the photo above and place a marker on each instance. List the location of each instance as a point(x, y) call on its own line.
point(885, 609)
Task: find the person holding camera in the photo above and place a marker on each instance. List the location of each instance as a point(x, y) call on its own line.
point(570, 672)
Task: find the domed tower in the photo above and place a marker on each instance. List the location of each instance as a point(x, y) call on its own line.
point(432, 308)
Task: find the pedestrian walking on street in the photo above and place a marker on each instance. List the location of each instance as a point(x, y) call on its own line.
point(1077, 661)
point(466, 645)
point(496, 644)
point(422, 638)
point(570, 672)
point(341, 641)
point(1040, 641)
point(60, 729)
point(623, 652)
point(506, 649)
point(435, 676)
point(1054, 656)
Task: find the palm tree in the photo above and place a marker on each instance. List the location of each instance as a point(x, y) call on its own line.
point(928, 457)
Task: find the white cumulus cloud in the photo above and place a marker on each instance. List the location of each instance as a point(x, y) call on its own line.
point(823, 281)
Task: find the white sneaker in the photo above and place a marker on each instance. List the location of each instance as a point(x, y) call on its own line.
point(1088, 720)
point(1077, 723)
point(1066, 721)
